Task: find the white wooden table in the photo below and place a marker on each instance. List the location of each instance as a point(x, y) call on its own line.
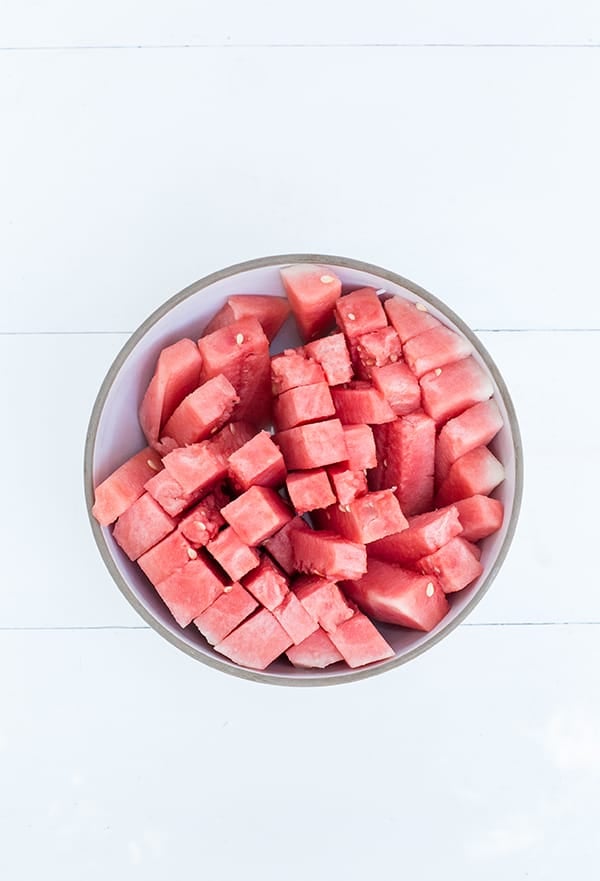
point(146, 144)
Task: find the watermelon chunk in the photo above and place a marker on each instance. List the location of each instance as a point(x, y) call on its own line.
point(480, 516)
point(202, 412)
point(142, 526)
point(425, 534)
point(235, 557)
point(114, 495)
point(376, 349)
point(328, 554)
point(292, 369)
point(347, 484)
point(257, 463)
point(435, 347)
point(170, 554)
point(268, 584)
point(409, 319)
point(190, 590)
point(170, 494)
point(360, 403)
point(397, 596)
point(257, 514)
point(406, 455)
point(331, 352)
point(360, 312)
point(317, 650)
point(312, 292)
point(203, 522)
point(308, 403)
point(294, 619)
point(447, 391)
point(359, 642)
point(366, 519)
point(280, 547)
point(270, 312)
point(195, 468)
point(257, 642)
point(399, 386)
point(454, 565)
point(476, 473)
point(176, 376)
point(309, 490)
point(229, 609)
point(360, 443)
point(323, 600)
point(474, 427)
point(313, 445)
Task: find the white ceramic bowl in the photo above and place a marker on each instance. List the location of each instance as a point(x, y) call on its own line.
point(114, 434)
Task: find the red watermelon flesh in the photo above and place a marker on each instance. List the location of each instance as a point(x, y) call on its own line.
point(454, 565)
point(190, 590)
point(257, 514)
point(360, 312)
point(360, 402)
point(270, 312)
point(360, 444)
point(376, 349)
point(309, 490)
point(202, 412)
point(359, 642)
point(280, 547)
point(177, 374)
point(331, 352)
point(323, 600)
point(268, 584)
point(474, 427)
point(230, 552)
point(409, 319)
point(346, 483)
point(395, 595)
point(328, 554)
point(476, 473)
point(142, 526)
point(257, 463)
point(294, 618)
point(170, 554)
point(240, 352)
point(195, 468)
point(114, 495)
point(169, 493)
point(203, 522)
point(292, 370)
point(425, 534)
point(480, 516)
point(229, 609)
point(317, 650)
point(406, 453)
point(399, 386)
point(312, 292)
point(256, 642)
point(447, 391)
point(308, 403)
point(313, 445)
point(366, 519)
point(435, 347)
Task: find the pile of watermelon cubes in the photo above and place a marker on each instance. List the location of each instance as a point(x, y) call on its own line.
point(287, 502)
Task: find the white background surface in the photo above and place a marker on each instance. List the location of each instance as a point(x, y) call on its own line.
point(144, 145)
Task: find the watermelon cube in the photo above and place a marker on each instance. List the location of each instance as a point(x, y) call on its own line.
point(360, 443)
point(476, 473)
point(331, 352)
point(257, 463)
point(202, 412)
point(114, 495)
point(376, 349)
point(309, 490)
point(454, 565)
point(294, 618)
point(257, 514)
point(399, 386)
point(360, 403)
point(406, 450)
point(480, 516)
point(229, 609)
point(201, 524)
point(323, 600)
point(292, 369)
point(176, 376)
point(142, 526)
point(425, 534)
point(257, 642)
point(190, 590)
point(240, 352)
point(366, 519)
point(313, 445)
point(327, 554)
point(474, 427)
point(317, 650)
point(435, 347)
point(308, 403)
point(359, 642)
point(235, 557)
point(195, 468)
point(447, 391)
point(312, 292)
point(360, 312)
point(268, 584)
point(230, 438)
point(170, 494)
point(395, 595)
point(170, 554)
point(280, 547)
point(409, 319)
point(270, 312)
point(346, 483)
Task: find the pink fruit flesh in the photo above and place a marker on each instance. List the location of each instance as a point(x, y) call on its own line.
point(270, 312)
point(316, 651)
point(202, 412)
point(407, 318)
point(257, 463)
point(454, 565)
point(257, 514)
point(313, 445)
point(230, 552)
point(256, 642)
point(359, 642)
point(309, 490)
point(114, 495)
point(331, 352)
point(328, 554)
point(424, 535)
point(223, 615)
point(360, 312)
point(312, 292)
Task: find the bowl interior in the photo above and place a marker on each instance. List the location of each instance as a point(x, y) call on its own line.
point(115, 435)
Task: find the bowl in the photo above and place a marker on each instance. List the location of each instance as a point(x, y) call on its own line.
point(114, 435)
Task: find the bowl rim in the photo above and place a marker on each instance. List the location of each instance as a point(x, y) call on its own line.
point(160, 312)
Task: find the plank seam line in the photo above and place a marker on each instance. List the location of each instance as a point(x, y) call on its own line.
point(232, 45)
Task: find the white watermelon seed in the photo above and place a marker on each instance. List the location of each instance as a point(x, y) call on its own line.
point(351, 316)
point(200, 525)
point(384, 463)
point(438, 371)
point(421, 307)
point(380, 291)
point(430, 589)
point(192, 554)
point(239, 339)
point(228, 589)
point(151, 464)
point(327, 279)
point(393, 358)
